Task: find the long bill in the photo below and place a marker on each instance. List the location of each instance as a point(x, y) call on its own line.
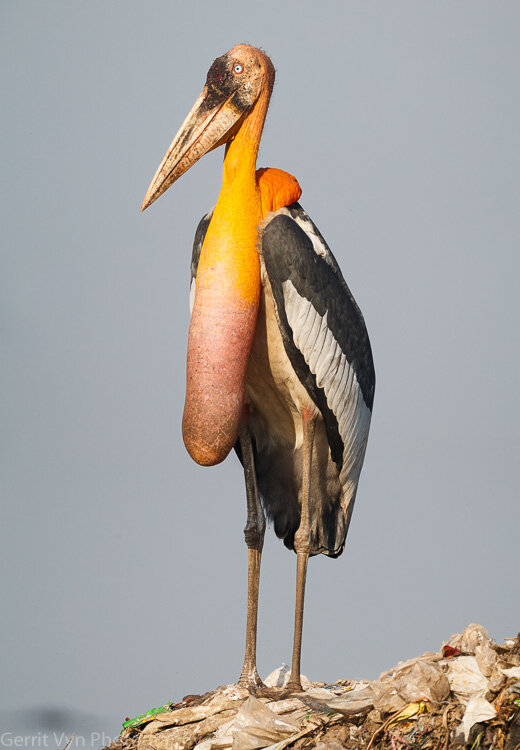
point(206, 127)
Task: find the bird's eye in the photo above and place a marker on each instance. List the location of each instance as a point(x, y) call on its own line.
point(238, 68)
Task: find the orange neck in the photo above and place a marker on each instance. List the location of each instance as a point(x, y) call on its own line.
point(232, 236)
point(241, 152)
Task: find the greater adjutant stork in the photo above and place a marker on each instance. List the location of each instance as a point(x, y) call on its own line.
point(279, 360)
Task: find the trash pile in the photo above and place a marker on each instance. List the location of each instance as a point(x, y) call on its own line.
point(465, 696)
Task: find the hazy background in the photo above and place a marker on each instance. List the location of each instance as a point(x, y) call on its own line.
point(124, 563)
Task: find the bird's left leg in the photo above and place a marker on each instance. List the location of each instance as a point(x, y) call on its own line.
point(254, 537)
point(302, 544)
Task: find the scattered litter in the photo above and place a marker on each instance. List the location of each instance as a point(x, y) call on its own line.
point(465, 678)
point(281, 676)
point(148, 716)
point(486, 658)
point(471, 637)
point(497, 680)
point(421, 680)
point(352, 701)
point(406, 713)
point(229, 698)
point(386, 698)
point(512, 672)
point(256, 726)
point(465, 695)
point(412, 709)
point(477, 710)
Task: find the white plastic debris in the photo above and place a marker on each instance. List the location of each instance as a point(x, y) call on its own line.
point(228, 698)
point(410, 681)
point(350, 702)
point(512, 672)
point(478, 709)
point(281, 676)
point(292, 709)
point(278, 677)
point(465, 678)
point(256, 726)
point(287, 706)
point(422, 680)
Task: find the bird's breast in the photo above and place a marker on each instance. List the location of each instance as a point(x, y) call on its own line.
point(273, 390)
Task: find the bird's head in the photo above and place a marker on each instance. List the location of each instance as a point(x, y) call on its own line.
point(233, 87)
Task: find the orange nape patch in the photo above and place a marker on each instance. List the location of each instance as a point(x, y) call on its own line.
point(277, 189)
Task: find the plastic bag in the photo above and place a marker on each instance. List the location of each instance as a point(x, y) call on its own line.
point(422, 680)
point(350, 702)
point(466, 679)
point(478, 709)
point(386, 698)
point(256, 726)
point(471, 637)
point(223, 700)
point(281, 676)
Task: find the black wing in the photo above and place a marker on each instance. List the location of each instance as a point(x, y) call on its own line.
point(198, 241)
point(324, 336)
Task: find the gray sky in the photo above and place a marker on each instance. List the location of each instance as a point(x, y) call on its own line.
point(124, 562)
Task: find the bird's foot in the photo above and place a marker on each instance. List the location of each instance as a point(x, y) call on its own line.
point(294, 687)
point(250, 680)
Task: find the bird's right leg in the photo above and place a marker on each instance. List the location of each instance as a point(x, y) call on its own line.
point(254, 536)
point(302, 545)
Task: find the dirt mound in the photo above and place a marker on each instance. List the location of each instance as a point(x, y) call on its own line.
point(466, 695)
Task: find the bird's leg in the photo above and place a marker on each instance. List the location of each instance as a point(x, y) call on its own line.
point(302, 545)
point(254, 536)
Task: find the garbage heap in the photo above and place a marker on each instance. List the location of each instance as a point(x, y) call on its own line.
point(466, 695)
